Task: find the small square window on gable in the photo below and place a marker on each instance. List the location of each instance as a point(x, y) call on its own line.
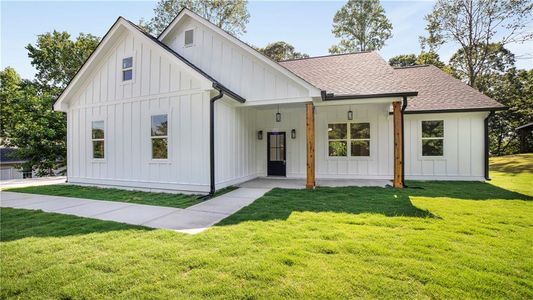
point(189, 37)
point(127, 68)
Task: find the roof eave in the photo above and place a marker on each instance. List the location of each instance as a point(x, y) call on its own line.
point(332, 97)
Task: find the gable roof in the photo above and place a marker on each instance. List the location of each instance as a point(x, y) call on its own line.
point(105, 44)
point(440, 91)
point(314, 90)
point(362, 74)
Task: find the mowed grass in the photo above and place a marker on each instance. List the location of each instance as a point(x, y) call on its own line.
point(445, 240)
point(513, 172)
point(110, 194)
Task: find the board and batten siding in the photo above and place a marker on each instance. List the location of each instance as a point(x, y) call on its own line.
point(159, 86)
point(233, 66)
point(464, 141)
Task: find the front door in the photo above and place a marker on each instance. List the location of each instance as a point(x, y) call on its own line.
point(276, 154)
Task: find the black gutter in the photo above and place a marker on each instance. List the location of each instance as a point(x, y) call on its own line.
point(435, 111)
point(404, 106)
point(332, 97)
point(487, 145)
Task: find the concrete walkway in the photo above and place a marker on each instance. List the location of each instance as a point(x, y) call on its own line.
point(193, 219)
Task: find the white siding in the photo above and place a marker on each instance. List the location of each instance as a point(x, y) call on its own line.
point(159, 86)
point(463, 148)
point(234, 144)
point(233, 66)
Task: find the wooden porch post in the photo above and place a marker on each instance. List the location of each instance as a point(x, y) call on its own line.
point(310, 125)
point(398, 145)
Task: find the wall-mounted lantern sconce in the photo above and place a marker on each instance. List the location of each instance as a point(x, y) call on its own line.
point(350, 114)
point(260, 135)
point(293, 134)
point(278, 116)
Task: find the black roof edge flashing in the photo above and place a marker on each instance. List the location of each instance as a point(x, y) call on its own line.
point(332, 97)
point(228, 92)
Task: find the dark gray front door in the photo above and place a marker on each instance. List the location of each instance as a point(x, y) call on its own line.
point(276, 154)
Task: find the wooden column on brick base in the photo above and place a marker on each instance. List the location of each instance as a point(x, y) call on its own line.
point(398, 145)
point(310, 128)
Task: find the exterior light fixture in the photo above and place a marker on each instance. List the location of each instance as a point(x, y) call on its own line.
point(350, 114)
point(260, 135)
point(278, 115)
point(293, 134)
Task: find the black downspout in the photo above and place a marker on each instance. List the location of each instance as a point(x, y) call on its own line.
point(404, 105)
point(486, 121)
point(212, 142)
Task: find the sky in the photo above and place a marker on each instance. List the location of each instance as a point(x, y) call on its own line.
point(306, 25)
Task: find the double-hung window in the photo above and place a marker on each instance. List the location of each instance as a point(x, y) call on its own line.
point(127, 69)
point(159, 136)
point(97, 137)
point(433, 138)
point(349, 139)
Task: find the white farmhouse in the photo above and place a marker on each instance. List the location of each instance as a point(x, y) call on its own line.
point(196, 110)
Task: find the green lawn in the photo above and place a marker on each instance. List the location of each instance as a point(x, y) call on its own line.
point(88, 192)
point(447, 240)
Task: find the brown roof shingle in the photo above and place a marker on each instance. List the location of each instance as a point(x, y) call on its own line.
point(440, 91)
point(364, 73)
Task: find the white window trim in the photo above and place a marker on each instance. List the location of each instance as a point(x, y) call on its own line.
point(193, 38)
point(167, 160)
point(348, 140)
point(421, 139)
point(91, 151)
point(133, 67)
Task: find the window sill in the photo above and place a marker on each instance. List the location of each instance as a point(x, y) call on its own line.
point(160, 162)
point(350, 158)
point(98, 161)
point(432, 158)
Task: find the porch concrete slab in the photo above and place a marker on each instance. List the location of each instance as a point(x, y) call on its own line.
point(273, 182)
point(136, 214)
point(93, 209)
point(353, 182)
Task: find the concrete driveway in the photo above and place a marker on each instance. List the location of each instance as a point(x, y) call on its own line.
point(14, 183)
point(193, 219)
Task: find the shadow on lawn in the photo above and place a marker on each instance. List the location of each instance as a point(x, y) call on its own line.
point(20, 223)
point(278, 204)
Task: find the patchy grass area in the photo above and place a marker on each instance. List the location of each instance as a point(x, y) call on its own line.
point(95, 193)
point(434, 240)
point(513, 172)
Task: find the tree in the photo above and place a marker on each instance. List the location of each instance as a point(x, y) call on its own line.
point(57, 58)
point(230, 15)
point(279, 51)
point(474, 26)
point(34, 128)
point(513, 89)
point(9, 90)
point(403, 60)
point(498, 61)
point(362, 26)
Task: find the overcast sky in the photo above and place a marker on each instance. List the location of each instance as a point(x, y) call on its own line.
point(306, 25)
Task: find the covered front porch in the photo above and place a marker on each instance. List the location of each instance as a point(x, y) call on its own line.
point(295, 147)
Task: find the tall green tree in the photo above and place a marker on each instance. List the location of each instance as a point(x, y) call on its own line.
point(32, 126)
point(57, 57)
point(362, 26)
point(513, 89)
point(230, 15)
point(280, 50)
point(403, 60)
point(424, 58)
point(474, 26)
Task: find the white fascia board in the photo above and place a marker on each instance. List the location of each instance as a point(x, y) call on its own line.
point(313, 91)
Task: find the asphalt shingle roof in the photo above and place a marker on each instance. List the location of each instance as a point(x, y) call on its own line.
point(440, 91)
point(363, 73)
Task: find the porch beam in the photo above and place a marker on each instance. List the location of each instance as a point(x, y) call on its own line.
point(310, 126)
point(398, 144)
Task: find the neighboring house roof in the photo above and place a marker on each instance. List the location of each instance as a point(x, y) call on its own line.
point(7, 156)
point(440, 91)
point(355, 74)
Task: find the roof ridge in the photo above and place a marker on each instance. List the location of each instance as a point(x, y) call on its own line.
point(324, 56)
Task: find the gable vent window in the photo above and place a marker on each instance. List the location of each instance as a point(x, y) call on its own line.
point(189, 37)
point(127, 69)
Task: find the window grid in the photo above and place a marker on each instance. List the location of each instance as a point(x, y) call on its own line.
point(159, 139)
point(98, 140)
point(127, 68)
point(349, 140)
point(433, 138)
